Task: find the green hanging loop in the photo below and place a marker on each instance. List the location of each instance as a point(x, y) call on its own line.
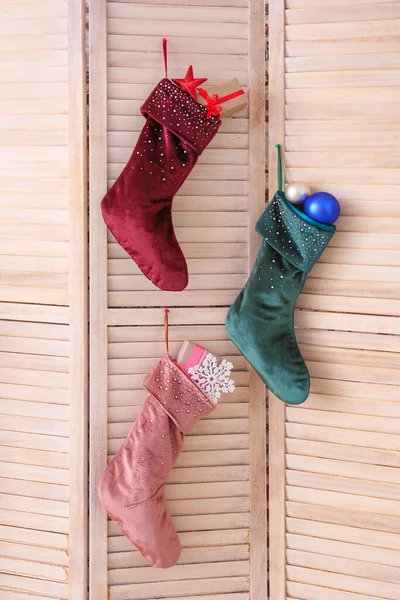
point(280, 176)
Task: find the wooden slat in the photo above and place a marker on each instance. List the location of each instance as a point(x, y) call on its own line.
point(25, 552)
point(347, 501)
point(348, 484)
point(343, 30)
point(344, 517)
point(78, 504)
point(207, 522)
point(53, 491)
point(221, 15)
point(344, 550)
point(120, 26)
point(344, 62)
point(186, 572)
point(200, 443)
point(182, 44)
point(330, 14)
point(35, 505)
point(217, 489)
point(191, 539)
point(43, 539)
point(340, 448)
point(33, 569)
point(336, 419)
point(335, 435)
point(346, 566)
point(30, 585)
point(314, 593)
point(351, 405)
point(98, 589)
point(277, 559)
point(43, 251)
point(131, 559)
point(34, 521)
point(165, 589)
point(344, 583)
point(326, 450)
point(218, 187)
point(13, 595)
point(352, 536)
point(315, 3)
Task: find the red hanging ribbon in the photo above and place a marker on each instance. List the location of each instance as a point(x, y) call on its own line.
point(164, 45)
point(166, 311)
point(214, 100)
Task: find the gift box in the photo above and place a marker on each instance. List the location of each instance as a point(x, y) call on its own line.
point(223, 100)
point(191, 354)
point(210, 372)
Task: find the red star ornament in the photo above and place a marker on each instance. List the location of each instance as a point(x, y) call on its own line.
point(190, 83)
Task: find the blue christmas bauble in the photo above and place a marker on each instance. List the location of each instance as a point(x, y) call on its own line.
point(322, 207)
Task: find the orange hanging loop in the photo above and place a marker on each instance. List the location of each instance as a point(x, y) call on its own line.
point(166, 311)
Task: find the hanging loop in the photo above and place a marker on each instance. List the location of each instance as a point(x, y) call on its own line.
point(280, 174)
point(164, 45)
point(166, 311)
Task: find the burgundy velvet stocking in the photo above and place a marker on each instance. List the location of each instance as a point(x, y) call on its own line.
point(132, 488)
point(137, 208)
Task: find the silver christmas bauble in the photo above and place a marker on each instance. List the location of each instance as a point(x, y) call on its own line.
point(297, 192)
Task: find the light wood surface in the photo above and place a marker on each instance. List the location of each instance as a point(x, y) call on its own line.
point(98, 296)
point(78, 303)
point(276, 441)
point(333, 462)
point(217, 492)
point(43, 298)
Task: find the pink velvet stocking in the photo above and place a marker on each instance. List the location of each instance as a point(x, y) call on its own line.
point(132, 488)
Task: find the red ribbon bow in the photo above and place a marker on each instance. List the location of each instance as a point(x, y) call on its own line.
point(213, 108)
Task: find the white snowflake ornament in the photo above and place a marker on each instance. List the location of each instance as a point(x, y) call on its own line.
point(213, 378)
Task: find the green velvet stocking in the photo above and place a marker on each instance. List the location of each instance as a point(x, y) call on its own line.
point(260, 320)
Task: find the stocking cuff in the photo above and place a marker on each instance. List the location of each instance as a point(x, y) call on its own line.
point(178, 395)
point(295, 236)
point(181, 114)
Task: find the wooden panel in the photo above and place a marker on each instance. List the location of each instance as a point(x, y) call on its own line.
point(334, 485)
point(43, 296)
point(216, 499)
point(98, 566)
point(276, 441)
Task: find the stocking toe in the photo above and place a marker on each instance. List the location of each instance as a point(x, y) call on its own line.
point(174, 279)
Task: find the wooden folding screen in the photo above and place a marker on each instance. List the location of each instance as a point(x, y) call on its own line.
point(334, 102)
point(217, 490)
point(43, 290)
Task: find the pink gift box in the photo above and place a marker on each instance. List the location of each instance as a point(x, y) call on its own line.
point(211, 373)
point(191, 354)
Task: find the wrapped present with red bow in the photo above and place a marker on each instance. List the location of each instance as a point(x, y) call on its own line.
point(222, 100)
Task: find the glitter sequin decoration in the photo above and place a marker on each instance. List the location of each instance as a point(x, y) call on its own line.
point(260, 320)
point(182, 398)
point(132, 488)
point(183, 116)
point(293, 235)
point(137, 208)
